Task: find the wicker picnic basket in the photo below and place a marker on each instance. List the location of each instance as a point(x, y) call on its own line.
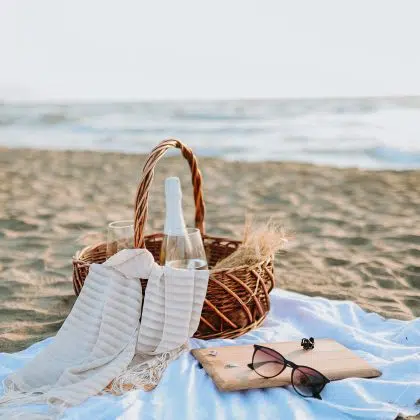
point(237, 298)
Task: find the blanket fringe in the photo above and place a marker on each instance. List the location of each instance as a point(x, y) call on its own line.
point(145, 374)
point(13, 398)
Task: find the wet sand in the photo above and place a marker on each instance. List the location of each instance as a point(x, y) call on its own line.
point(357, 232)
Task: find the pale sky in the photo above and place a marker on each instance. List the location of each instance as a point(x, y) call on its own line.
point(132, 50)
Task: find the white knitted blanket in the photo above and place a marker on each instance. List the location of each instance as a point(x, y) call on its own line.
point(103, 341)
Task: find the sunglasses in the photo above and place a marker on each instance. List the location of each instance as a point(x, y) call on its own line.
point(306, 381)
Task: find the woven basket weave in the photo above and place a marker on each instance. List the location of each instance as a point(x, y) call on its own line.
point(237, 299)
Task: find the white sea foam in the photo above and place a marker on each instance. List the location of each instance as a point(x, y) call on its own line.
point(373, 133)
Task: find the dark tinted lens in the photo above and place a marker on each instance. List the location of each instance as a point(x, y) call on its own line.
point(267, 362)
point(307, 381)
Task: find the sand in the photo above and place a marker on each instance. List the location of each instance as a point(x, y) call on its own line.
point(357, 233)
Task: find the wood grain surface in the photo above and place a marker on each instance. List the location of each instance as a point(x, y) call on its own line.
point(329, 357)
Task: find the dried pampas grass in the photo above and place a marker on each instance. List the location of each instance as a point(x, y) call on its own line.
point(259, 243)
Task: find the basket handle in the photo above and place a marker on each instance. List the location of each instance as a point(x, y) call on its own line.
point(142, 195)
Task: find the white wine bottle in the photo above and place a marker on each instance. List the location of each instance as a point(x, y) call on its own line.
point(181, 248)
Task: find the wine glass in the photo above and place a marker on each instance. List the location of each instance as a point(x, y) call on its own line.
point(120, 236)
point(184, 251)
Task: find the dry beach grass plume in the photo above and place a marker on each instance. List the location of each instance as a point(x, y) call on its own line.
point(260, 241)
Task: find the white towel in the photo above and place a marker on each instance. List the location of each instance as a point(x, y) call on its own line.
point(103, 340)
point(171, 313)
point(172, 308)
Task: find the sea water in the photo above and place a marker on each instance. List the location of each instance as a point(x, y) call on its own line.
point(375, 133)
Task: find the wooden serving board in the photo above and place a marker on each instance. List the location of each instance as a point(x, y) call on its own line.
point(329, 357)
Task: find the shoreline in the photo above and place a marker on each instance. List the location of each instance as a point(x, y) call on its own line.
point(357, 230)
point(142, 155)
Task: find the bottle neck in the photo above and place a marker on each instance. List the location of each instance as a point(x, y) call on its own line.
point(174, 222)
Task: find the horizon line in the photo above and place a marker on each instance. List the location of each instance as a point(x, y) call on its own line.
point(29, 101)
